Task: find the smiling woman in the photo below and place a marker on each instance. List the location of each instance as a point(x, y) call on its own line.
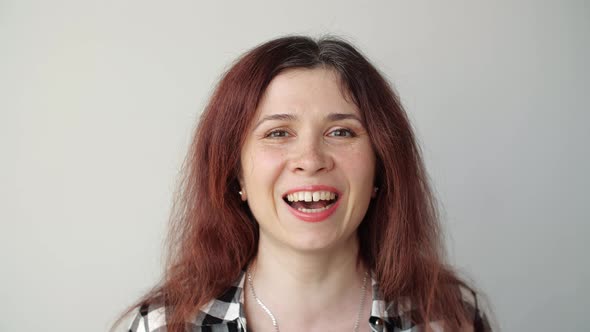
point(305, 206)
point(310, 144)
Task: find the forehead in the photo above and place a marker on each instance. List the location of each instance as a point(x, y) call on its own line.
point(305, 90)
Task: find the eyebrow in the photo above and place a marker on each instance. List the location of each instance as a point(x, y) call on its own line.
point(291, 117)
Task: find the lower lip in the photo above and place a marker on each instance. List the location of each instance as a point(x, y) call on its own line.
point(314, 217)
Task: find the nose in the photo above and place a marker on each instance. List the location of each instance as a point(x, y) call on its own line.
point(310, 157)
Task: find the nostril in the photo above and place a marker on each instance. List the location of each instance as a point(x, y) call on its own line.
point(302, 169)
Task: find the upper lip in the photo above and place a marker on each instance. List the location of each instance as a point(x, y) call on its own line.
point(317, 187)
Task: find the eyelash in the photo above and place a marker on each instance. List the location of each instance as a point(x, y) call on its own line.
point(271, 133)
point(349, 132)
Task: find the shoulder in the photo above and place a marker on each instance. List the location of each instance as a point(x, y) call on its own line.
point(153, 318)
point(149, 318)
point(223, 312)
point(217, 315)
point(477, 308)
point(403, 314)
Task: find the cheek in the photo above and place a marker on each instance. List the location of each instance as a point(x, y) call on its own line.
point(263, 167)
point(360, 164)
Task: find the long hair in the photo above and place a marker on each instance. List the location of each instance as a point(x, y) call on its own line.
point(214, 236)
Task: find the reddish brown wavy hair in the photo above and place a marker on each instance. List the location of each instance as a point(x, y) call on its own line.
point(214, 236)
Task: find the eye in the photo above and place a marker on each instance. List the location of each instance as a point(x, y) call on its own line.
point(277, 133)
point(342, 132)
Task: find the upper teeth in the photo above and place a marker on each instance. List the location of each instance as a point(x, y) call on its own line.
point(309, 196)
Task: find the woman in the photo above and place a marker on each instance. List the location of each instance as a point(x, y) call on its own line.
point(305, 206)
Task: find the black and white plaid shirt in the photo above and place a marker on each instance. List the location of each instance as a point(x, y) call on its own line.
point(226, 314)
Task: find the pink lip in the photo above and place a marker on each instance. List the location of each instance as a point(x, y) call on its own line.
point(318, 216)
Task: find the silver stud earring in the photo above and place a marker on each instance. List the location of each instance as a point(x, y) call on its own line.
point(240, 192)
point(375, 190)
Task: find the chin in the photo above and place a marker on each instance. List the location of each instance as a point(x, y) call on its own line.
point(315, 242)
point(310, 246)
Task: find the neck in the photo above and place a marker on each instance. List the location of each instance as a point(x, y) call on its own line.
point(316, 284)
point(278, 263)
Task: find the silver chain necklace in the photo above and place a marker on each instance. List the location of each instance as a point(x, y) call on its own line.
point(274, 320)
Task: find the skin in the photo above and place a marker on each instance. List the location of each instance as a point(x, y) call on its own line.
point(314, 265)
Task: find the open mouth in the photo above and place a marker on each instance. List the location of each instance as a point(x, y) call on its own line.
point(311, 201)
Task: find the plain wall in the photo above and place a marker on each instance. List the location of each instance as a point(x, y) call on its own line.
point(98, 100)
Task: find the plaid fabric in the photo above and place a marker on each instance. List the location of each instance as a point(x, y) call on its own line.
point(226, 314)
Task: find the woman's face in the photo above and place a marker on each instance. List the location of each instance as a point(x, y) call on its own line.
point(307, 163)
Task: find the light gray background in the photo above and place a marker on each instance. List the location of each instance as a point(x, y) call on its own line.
point(98, 100)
